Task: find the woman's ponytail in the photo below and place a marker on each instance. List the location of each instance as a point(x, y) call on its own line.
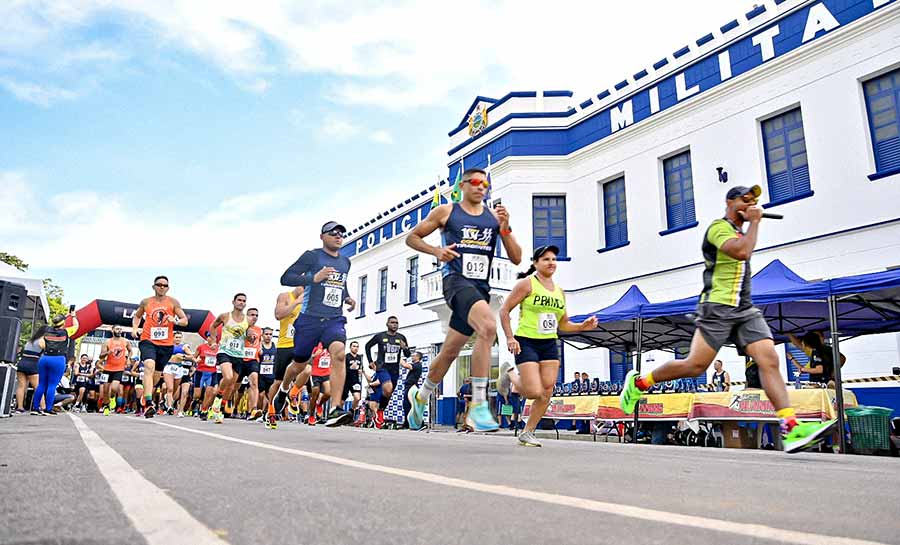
point(530, 271)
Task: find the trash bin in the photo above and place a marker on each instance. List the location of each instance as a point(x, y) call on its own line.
point(869, 428)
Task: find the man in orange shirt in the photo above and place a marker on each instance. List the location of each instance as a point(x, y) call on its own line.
point(160, 314)
point(113, 357)
point(252, 346)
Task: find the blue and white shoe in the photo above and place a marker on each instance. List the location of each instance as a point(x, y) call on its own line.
point(481, 419)
point(416, 415)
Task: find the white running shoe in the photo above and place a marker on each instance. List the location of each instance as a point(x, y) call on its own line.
point(527, 439)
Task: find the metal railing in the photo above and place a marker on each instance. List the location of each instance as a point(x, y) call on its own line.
point(503, 276)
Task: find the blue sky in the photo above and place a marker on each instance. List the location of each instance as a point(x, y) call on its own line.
point(208, 140)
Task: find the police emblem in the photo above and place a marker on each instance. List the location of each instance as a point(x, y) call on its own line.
point(478, 120)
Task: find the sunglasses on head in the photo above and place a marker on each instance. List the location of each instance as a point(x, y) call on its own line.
point(475, 183)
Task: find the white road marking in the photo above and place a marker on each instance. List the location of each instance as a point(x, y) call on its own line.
point(757, 531)
point(159, 518)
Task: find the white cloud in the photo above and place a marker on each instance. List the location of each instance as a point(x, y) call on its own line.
point(382, 137)
point(336, 127)
point(403, 54)
point(42, 95)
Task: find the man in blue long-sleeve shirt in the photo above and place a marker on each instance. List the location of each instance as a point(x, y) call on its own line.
point(323, 274)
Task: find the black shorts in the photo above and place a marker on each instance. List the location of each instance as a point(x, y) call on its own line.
point(248, 368)
point(157, 353)
point(27, 366)
point(81, 385)
point(318, 381)
point(721, 324)
point(283, 358)
point(537, 350)
point(114, 376)
point(237, 364)
point(351, 383)
point(264, 383)
point(461, 294)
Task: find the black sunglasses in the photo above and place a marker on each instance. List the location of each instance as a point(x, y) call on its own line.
point(335, 233)
point(161, 285)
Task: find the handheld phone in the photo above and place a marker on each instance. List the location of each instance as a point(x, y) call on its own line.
point(71, 308)
point(497, 202)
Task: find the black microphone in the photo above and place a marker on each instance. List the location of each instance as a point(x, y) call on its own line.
point(770, 216)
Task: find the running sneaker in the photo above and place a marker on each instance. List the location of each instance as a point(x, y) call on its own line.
point(255, 415)
point(480, 418)
point(170, 411)
point(218, 416)
point(806, 435)
point(106, 411)
point(294, 405)
point(203, 416)
point(139, 414)
point(21, 411)
point(527, 439)
point(378, 421)
point(312, 420)
point(36, 412)
point(149, 411)
point(416, 415)
point(180, 414)
point(503, 379)
point(630, 393)
point(271, 421)
point(337, 417)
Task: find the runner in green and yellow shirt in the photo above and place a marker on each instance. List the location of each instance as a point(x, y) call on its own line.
point(535, 345)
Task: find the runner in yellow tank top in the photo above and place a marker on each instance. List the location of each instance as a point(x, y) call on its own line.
point(287, 308)
point(535, 346)
point(230, 356)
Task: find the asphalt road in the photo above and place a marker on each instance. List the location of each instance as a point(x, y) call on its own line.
point(240, 483)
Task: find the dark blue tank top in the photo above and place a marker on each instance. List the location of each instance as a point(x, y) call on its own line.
point(475, 238)
point(178, 349)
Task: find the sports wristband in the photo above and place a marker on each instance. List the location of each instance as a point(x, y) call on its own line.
point(504, 232)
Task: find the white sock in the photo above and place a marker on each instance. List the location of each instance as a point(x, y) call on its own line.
point(479, 389)
point(427, 389)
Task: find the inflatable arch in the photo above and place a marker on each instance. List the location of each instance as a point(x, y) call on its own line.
point(99, 312)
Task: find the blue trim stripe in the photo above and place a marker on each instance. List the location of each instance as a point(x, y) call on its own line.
point(621, 85)
point(681, 52)
point(640, 75)
point(552, 94)
point(495, 103)
point(729, 26)
point(603, 95)
point(756, 12)
point(660, 63)
point(586, 103)
point(705, 39)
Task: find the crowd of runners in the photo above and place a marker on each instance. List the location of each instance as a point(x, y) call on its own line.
point(241, 372)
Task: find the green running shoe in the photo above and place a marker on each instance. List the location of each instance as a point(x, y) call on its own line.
point(480, 418)
point(806, 435)
point(630, 393)
point(416, 415)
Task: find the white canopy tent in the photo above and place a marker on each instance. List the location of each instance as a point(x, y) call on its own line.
point(37, 309)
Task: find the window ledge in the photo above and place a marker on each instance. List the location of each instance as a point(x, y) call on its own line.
point(380, 311)
point(884, 173)
point(563, 258)
point(789, 199)
point(614, 247)
point(360, 316)
point(416, 302)
point(679, 228)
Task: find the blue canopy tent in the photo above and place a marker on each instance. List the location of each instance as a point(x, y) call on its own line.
point(846, 307)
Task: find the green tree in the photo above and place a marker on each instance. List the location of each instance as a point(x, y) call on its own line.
point(10, 259)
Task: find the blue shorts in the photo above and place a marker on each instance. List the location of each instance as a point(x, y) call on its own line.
point(537, 350)
point(311, 330)
point(204, 379)
point(375, 397)
point(383, 375)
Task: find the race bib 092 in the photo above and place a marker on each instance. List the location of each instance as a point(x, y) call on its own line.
point(159, 333)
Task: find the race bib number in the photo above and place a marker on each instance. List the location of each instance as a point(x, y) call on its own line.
point(325, 362)
point(266, 369)
point(104, 378)
point(249, 353)
point(547, 323)
point(234, 345)
point(332, 297)
point(210, 361)
point(159, 333)
point(475, 266)
point(291, 332)
point(391, 357)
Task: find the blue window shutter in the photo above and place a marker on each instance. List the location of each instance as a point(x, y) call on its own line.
point(679, 185)
point(614, 213)
point(382, 290)
point(548, 214)
point(619, 364)
point(882, 103)
point(413, 279)
point(362, 295)
point(787, 165)
point(801, 358)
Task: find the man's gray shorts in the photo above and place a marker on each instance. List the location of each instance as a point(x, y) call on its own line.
point(722, 324)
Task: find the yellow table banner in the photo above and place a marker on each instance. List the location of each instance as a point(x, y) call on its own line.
point(651, 407)
point(568, 407)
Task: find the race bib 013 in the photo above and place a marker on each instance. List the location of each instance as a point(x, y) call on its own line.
point(249, 353)
point(475, 266)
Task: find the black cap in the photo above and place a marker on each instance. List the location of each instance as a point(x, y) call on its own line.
point(331, 226)
point(541, 250)
point(741, 190)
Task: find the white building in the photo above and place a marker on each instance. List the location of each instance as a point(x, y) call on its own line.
point(798, 96)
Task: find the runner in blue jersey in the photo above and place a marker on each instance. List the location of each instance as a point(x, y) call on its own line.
point(323, 273)
point(469, 232)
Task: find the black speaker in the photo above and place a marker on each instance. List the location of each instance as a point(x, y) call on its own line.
point(12, 299)
point(9, 338)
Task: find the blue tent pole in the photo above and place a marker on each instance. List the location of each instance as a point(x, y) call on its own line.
point(836, 356)
point(637, 367)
